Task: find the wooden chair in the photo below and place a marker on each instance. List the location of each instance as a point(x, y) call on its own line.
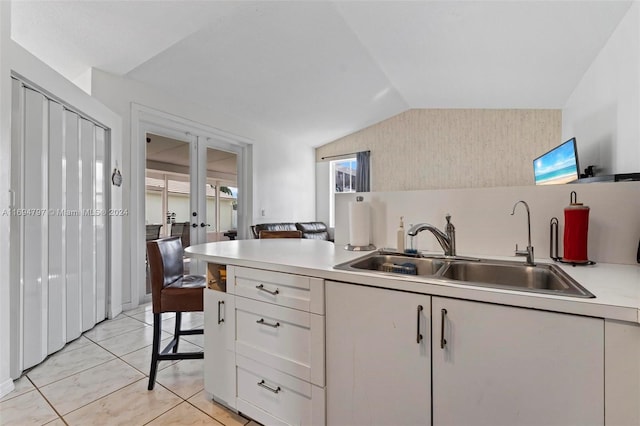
point(171, 291)
point(280, 234)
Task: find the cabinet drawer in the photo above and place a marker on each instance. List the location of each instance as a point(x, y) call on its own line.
point(285, 339)
point(293, 291)
point(272, 397)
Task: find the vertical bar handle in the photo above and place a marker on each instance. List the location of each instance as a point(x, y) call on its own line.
point(220, 303)
point(419, 336)
point(443, 341)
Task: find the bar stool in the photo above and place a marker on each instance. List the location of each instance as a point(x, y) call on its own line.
point(171, 291)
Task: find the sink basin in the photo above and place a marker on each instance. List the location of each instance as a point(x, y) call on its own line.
point(540, 278)
point(545, 279)
point(395, 264)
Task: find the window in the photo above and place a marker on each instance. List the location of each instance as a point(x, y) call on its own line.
point(342, 176)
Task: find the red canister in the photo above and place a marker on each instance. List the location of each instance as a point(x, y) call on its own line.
point(576, 228)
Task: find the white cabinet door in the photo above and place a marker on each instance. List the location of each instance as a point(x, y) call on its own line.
point(219, 353)
point(496, 365)
point(378, 356)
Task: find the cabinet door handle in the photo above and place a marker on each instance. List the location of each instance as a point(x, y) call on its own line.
point(263, 322)
point(443, 341)
point(261, 288)
point(220, 303)
point(263, 385)
point(419, 336)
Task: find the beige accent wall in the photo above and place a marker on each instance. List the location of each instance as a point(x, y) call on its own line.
point(453, 148)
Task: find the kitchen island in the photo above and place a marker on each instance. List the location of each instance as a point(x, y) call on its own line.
point(291, 340)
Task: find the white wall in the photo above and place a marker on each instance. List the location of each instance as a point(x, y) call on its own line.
point(603, 112)
point(153, 213)
point(6, 384)
point(484, 225)
point(283, 171)
point(323, 176)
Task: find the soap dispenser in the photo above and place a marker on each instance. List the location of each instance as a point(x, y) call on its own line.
point(400, 243)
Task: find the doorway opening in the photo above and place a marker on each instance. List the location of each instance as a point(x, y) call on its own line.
point(174, 194)
point(199, 139)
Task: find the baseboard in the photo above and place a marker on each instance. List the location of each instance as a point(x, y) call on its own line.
point(6, 387)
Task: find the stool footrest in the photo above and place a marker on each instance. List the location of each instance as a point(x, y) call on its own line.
point(181, 355)
point(188, 332)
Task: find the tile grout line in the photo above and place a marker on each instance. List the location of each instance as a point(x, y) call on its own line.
point(165, 412)
point(207, 414)
point(102, 397)
point(26, 374)
point(48, 402)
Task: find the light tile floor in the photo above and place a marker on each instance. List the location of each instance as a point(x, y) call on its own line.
point(101, 379)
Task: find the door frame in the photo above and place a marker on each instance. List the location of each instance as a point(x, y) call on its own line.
point(148, 120)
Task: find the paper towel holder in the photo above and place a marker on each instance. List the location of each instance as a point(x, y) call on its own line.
point(369, 247)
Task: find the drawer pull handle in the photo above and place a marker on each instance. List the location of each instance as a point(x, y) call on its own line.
point(263, 322)
point(419, 336)
point(220, 303)
point(263, 385)
point(261, 288)
point(443, 341)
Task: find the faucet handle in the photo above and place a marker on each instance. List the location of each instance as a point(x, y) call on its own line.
point(521, 252)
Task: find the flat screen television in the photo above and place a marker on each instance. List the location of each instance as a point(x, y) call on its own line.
point(560, 165)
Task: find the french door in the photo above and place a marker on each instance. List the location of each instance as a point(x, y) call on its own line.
point(202, 141)
point(180, 193)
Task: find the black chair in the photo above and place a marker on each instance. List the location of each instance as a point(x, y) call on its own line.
point(171, 291)
point(182, 230)
point(153, 232)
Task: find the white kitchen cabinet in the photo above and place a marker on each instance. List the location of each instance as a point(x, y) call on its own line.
point(264, 344)
point(498, 365)
point(286, 339)
point(378, 356)
point(219, 345)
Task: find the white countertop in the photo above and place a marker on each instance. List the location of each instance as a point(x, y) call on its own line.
point(616, 287)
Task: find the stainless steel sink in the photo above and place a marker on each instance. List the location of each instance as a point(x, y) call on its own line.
point(541, 278)
point(546, 279)
point(395, 263)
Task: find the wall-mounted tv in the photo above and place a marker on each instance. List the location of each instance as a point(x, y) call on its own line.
point(560, 165)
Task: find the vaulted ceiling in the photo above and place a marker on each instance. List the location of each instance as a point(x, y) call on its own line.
point(314, 71)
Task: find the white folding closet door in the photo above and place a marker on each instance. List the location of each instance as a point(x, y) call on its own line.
point(100, 225)
point(58, 238)
point(16, 231)
point(87, 225)
point(35, 248)
point(72, 230)
point(57, 321)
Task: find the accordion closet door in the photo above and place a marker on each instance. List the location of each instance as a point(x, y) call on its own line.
point(58, 226)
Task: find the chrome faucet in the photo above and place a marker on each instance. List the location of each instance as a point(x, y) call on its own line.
point(447, 240)
point(529, 251)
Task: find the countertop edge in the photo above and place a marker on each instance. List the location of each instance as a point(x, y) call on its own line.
point(561, 304)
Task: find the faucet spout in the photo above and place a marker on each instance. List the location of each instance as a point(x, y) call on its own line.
point(529, 252)
point(446, 242)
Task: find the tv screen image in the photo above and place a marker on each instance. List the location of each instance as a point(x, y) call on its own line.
point(560, 165)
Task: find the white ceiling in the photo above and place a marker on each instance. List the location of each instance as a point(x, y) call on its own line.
point(314, 71)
